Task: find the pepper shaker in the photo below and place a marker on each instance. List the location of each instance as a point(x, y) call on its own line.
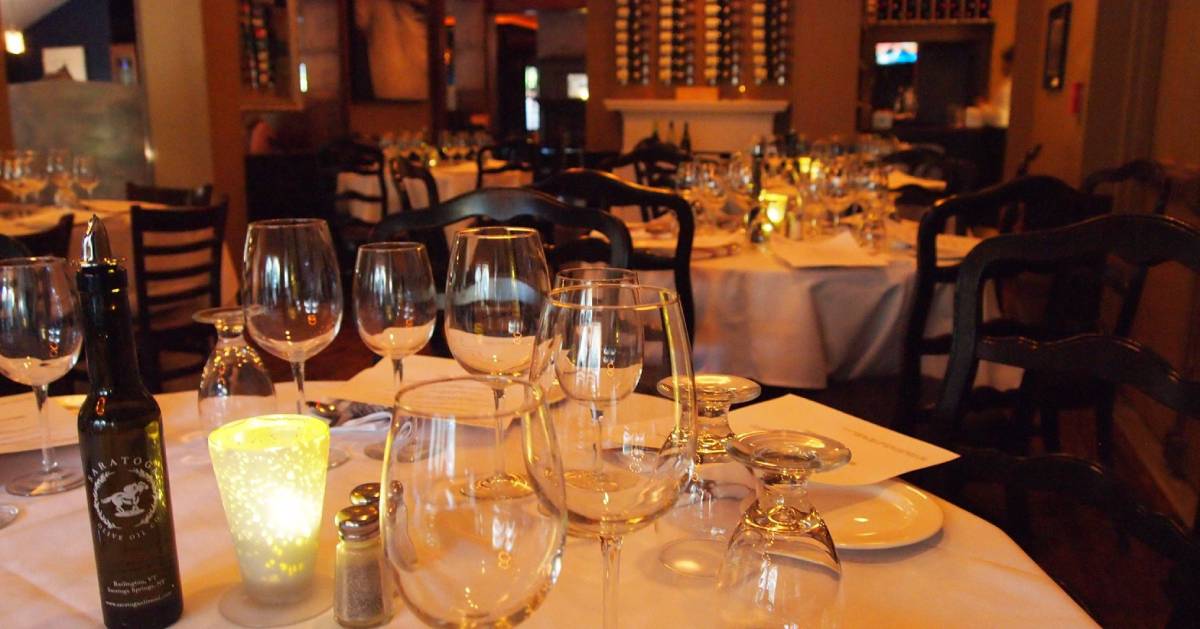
point(362, 579)
point(365, 494)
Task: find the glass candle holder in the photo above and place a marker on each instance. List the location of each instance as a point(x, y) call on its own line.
point(271, 474)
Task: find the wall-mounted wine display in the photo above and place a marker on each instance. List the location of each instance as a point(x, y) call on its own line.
point(927, 11)
point(770, 24)
point(722, 56)
point(676, 42)
point(632, 42)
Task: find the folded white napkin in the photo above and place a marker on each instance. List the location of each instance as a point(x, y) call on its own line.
point(838, 251)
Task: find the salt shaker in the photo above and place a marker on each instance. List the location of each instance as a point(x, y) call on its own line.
point(365, 494)
point(362, 579)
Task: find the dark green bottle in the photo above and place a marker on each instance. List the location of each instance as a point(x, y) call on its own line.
point(121, 444)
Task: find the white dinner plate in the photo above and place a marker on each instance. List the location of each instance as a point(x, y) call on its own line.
point(890, 514)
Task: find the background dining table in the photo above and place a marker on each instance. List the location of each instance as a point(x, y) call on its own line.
point(968, 573)
point(453, 179)
point(115, 214)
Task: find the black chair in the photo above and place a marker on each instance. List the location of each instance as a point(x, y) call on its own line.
point(1140, 240)
point(11, 247)
point(654, 165)
point(521, 155)
point(189, 197)
point(601, 190)
point(1027, 160)
point(402, 169)
point(1023, 204)
point(171, 287)
point(55, 241)
point(348, 155)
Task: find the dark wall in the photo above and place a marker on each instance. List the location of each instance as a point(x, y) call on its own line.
point(78, 22)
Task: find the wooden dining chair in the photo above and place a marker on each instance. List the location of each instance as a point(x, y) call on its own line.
point(55, 241)
point(1023, 204)
point(402, 170)
point(654, 165)
point(349, 155)
point(601, 190)
point(1140, 240)
point(189, 197)
point(519, 155)
point(177, 271)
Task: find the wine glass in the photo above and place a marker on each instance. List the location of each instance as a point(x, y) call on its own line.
point(464, 559)
point(608, 345)
point(11, 175)
point(39, 343)
point(710, 505)
point(33, 169)
point(781, 568)
point(494, 291)
point(292, 295)
point(234, 384)
point(395, 304)
point(85, 173)
point(584, 275)
point(59, 171)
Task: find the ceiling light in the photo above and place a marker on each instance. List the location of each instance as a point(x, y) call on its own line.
point(14, 42)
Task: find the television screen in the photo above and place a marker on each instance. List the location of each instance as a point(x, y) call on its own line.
point(896, 52)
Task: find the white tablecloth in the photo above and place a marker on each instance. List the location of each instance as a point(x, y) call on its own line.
point(758, 318)
point(452, 180)
point(116, 220)
point(968, 574)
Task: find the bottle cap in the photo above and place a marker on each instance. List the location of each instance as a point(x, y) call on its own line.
point(359, 522)
point(365, 494)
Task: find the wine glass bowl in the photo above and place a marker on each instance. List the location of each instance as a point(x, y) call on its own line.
point(234, 383)
point(465, 559)
point(40, 338)
point(781, 567)
point(582, 275)
point(86, 176)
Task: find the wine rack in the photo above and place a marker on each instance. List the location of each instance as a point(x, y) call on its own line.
point(267, 55)
point(676, 43)
point(722, 57)
point(770, 22)
point(928, 11)
point(631, 42)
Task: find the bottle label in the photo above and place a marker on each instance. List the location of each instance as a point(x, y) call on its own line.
point(125, 496)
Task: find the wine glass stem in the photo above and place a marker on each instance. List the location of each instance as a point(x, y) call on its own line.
point(610, 548)
point(397, 373)
point(298, 375)
point(40, 393)
point(598, 424)
point(499, 449)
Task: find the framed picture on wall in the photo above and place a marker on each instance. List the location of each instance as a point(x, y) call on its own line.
point(1057, 30)
point(389, 49)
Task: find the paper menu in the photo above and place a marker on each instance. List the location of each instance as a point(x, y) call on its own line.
point(876, 453)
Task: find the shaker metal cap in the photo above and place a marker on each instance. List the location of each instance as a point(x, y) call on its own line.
point(365, 494)
point(358, 522)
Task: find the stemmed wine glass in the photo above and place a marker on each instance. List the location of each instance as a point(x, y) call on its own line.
point(464, 559)
point(608, 345)
point(60, 172)
point(494, 291)
point(33, 169)
point(584, 275)
point(85, 173)
point(292, 295)
point(39, 343)
point(781, 568)
point(395, 304)
point(12, 175)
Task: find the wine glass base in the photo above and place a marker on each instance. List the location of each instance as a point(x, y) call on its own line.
point(238, 607)
point(499, 487)
point(693, 557)
point(375, 450)
point(338, 456)
point(8, 514)
point(410, 453)
point(43, 484)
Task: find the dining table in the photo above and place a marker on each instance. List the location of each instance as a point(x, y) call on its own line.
point(115, 214)
point(452, 179)
point(961, 570)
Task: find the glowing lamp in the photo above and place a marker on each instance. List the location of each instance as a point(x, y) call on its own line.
point(775, 205)
point(271, 474)
point(14, 42)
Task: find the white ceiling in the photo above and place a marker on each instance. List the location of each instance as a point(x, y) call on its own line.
point(19, 14)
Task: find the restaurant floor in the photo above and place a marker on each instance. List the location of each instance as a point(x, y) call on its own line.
point(1120, 586)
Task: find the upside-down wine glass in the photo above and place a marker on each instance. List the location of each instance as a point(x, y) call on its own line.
point(40, 338)
point(497, 281)
point(608, 345)
point(292, 295)
point(781, 568)
point(395, 305)
point(464, 559)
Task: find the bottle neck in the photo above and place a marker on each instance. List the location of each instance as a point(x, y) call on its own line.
point(108, 330)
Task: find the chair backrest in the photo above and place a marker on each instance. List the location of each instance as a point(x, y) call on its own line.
point(1146, 172)
point(10, 247)
point(189, 197)
point(654, 164)
point(177, 258)
point(1027, 160)
point(1022, 204)
point(520, 155)
point(403, 169)
point(505, 205)
point(55, 241)
point(350, 156)
point(1141, 240)
point(601, 190)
